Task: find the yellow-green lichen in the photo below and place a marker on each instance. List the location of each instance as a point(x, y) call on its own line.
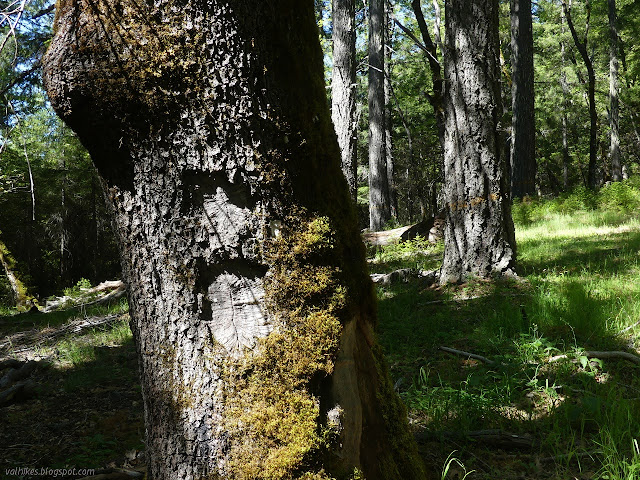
point(274, 408)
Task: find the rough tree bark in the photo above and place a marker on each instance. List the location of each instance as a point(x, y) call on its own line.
point(614, 103)
point(523, 136)
point(591, 89)
point(479, 232)
point(251, 306)
point(343, 88)
point(379, 204)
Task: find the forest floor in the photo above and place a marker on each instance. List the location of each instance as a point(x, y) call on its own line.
point(86, 408)
point(541, 401)
point(535, 404)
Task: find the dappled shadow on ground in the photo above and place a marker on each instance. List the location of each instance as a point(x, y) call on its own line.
point(578, 412)
point(84, 415)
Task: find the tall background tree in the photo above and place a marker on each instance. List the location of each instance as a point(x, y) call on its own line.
point(343, 88)
point(479, 235)
point(582, 45)
point(379, 200)
point(614, 103)
point(250, 302)
point(523, 133)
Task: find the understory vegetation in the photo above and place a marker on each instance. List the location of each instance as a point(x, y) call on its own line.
point(537, 402)
point(545, 407)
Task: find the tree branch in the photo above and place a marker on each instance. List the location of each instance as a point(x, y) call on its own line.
point(462, 353)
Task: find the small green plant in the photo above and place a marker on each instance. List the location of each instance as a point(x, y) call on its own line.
point(453, 460)
point(77, 289)
point(522, 212)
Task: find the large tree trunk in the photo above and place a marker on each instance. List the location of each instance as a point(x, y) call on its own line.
point(343, 88)
point(591, 91)
point(614, 109)
point(523, 131)
point(479, 236)
point(379, 203)
point(250, 302)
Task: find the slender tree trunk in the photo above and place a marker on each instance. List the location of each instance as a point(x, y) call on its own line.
point(63, 220)
point(591, 91)
point(614, 109)
point(96, 230)
point(32, 185)
point(379, 204)
point(566, 158)
point(17, 287)
point(250, 302)
point(436, 97)
point(343, 88)
point(522, 152)
point(388, 120)
point(479, 235)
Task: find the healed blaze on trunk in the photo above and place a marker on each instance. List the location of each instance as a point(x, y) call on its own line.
point(251, 307)
point(479, 234)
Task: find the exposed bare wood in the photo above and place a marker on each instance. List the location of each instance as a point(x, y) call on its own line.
point(430, 228)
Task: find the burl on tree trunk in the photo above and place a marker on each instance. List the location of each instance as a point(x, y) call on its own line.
point(251, 306)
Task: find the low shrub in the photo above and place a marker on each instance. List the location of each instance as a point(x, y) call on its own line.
point(619, 196)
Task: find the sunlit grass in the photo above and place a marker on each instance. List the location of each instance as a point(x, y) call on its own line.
point(78, 350)
point(579, 290)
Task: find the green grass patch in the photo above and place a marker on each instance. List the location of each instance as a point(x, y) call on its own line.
point(579, 290)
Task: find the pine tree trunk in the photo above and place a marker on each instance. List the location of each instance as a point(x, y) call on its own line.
point(343, 88)
point(250, 302)
point(388, 120)
point(523, 160)
point(479, 234)
point(614, 109)
point(379, 204)
point(566, 158)
point(436, 98)
point(591, 92)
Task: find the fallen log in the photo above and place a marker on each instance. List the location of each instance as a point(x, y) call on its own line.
point(10, 363)
point(615, 354)
point(16, 374)
point(120, 292)
point(403, 275)
point(19, 392)
point(115, 289)
point(431, 229)
point(22, 341)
